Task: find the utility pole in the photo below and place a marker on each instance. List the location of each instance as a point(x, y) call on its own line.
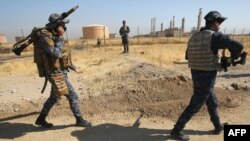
point(22, 32)
point(104, 35)
point(138, 34)
point(242, 34)
point(234, 31)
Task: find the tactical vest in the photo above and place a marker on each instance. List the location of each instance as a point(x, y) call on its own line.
point(47, 63)
point(124, 31)
point(200, 55)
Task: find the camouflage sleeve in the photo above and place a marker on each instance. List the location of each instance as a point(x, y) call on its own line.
point(54, 48)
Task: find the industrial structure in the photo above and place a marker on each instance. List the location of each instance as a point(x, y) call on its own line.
point(153, 27)
point(3, 38)
point(113, 35)
point(19, 38)
point(95, 31)
point(172, 30)
point(199, 20)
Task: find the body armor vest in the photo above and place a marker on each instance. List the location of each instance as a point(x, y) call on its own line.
point(47, 63)
point(200, 55)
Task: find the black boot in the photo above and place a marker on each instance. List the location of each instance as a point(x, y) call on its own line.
point(42, 122)
point(179, 135)
point(82, 123)
point(218, 129)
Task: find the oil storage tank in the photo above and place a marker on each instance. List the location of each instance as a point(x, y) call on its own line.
point(95, 31)
point(3, 38)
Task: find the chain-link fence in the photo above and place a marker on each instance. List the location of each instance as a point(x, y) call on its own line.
point(136, 33)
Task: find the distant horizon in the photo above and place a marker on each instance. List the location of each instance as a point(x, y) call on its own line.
point(19, 17)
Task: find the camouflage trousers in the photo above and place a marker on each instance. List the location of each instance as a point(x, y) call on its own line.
point(53, 99)
point(203, 83)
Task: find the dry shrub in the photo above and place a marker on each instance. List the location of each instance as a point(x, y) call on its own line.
point(99, 61)
point(163, 54)
point(21, 66)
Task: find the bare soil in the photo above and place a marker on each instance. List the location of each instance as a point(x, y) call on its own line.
point(141, 104)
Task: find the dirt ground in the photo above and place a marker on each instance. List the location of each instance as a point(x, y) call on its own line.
point(139, 104)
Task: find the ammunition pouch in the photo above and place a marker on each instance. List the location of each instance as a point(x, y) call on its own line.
point(52, 63)
point(66, 61)
point(59, 83)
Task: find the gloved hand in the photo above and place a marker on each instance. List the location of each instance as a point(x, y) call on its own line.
point(225, 62)
point(242, 61)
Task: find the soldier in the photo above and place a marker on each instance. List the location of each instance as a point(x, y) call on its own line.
point(56, 63)
point(98, 43)
point(202, 56)
point(124, 30)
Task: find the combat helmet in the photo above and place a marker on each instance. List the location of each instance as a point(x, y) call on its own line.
point(55, 16)
point(214, 15)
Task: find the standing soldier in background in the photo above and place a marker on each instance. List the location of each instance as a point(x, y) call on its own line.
point(56, 64)
point(202, 56)
point(124, 30)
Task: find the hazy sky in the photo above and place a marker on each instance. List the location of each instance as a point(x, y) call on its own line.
point(26, 14)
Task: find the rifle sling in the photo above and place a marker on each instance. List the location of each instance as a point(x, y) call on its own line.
point(45, 84)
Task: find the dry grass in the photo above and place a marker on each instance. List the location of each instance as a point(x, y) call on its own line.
point(100, 61)
point(162, 54)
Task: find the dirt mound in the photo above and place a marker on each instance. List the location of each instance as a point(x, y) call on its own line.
point(155, 91)
point(147, 89)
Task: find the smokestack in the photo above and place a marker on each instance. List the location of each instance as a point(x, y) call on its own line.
point(199, 20)
point(161, 26)
point(183, 24)
point(171, 25)
point(173, 21)
point(151, 25)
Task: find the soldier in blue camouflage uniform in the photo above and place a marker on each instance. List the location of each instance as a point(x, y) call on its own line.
point(202, 56)
point(124, 30)
point(51, 43)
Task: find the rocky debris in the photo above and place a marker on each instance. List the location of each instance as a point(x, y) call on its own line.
point(16, 110)
point(229, 88)
point(235, 86)
point(180, 83)
point(96, 94)
point(183, 78)
point(26, 99)
point(246, 88)
point(13, 91)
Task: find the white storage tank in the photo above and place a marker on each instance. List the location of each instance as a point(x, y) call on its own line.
point(95, 31)
point(3, 38)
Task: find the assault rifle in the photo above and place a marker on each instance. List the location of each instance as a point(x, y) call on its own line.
point(22, 44)
point(228, 61)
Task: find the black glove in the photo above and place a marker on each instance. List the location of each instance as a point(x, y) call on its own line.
point(225, 62)
point(242, 61)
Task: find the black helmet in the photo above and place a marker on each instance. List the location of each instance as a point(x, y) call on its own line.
point(55, 16)
point(214, 15)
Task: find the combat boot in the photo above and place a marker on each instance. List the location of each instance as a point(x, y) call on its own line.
point(82, 123)
point(219, 129)
point(179, 135)
point(42, 122)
